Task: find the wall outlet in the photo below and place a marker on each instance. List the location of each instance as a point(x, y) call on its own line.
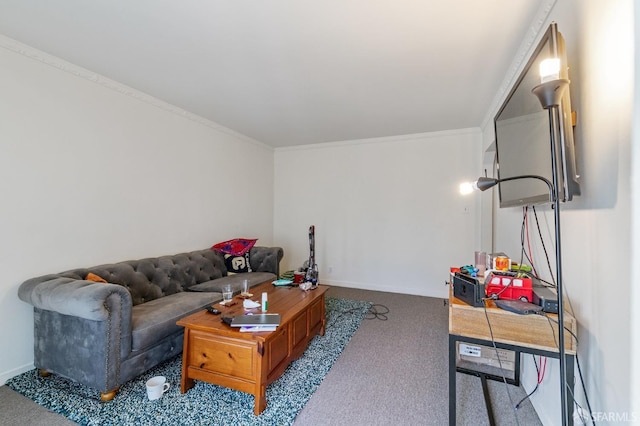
point(330, 270)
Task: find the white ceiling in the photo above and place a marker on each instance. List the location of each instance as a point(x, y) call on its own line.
point(292, 72)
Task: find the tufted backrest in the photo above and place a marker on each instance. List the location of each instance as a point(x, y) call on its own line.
point(151, 278)
point(263, 259)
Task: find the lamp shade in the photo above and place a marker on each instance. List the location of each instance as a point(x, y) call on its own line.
point(484, 183)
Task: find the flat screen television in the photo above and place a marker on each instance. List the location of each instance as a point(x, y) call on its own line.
point(523, 141)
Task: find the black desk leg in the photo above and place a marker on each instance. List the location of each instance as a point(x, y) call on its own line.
point(487, 399)
point(452, 381)
point(570, 386)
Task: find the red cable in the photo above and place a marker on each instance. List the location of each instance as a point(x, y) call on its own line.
point(543, 369)
point(526, 227)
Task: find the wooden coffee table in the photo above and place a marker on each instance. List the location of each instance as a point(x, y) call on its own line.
point(216, 353)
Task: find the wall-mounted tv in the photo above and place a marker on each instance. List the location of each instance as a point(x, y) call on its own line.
point(523, 141)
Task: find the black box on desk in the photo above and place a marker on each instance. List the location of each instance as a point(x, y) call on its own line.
point(545, 297)
point(468, 289)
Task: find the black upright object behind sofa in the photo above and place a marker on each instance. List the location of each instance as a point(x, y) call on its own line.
point(104, 334)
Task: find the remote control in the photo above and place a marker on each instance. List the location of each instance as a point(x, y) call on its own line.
point(213, 310)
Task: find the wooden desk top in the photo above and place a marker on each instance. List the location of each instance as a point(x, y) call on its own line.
point(533, 331)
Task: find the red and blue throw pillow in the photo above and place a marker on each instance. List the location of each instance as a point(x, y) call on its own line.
point(237, 246)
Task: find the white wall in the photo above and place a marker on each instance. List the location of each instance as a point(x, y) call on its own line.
point(596, 227)
point(635, 218)
point(93, 172)
point(387, 211)
point(89, 174)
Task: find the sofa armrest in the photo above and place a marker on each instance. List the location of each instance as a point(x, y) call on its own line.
point(82, 329)
point(80, 298)
point(266, 259)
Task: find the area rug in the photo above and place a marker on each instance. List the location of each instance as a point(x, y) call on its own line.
point(204, 404)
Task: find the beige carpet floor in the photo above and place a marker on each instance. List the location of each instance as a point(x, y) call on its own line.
point(393, 371)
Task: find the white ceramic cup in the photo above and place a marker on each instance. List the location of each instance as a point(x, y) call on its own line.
point(156, 386)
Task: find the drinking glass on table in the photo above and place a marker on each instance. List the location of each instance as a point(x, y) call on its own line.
point(227, 293)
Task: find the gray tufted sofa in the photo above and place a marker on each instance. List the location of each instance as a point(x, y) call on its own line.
point(104, 334)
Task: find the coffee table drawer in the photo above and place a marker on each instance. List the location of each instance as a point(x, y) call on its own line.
point(222, 355)
point(299, 328)
point(277, 348)
point(316, 314)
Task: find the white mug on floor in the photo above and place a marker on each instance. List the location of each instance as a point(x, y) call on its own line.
point(156, 386)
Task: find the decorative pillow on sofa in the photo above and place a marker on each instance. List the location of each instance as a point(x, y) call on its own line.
point(236, 264)
point(95, 278)
point(237, 246)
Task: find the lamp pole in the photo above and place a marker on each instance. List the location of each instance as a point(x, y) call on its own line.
point(550, 94)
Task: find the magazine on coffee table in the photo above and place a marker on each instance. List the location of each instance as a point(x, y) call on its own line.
point(258, 329)
point(256, 320)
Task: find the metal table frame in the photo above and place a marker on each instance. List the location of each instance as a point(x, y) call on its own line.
point(454, 338)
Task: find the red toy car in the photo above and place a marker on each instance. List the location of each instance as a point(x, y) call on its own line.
point(508, 287)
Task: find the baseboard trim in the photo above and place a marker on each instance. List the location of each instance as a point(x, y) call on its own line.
point(428, 292)
point(12, 373)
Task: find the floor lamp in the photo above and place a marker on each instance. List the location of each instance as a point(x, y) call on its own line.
point(550, 94)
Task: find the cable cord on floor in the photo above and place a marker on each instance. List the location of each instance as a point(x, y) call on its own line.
point(568, 299)
point(586, 397)
point(584, 389)
point(537, 383)
point(377, 311)
point(343, 313)
point(524, 238)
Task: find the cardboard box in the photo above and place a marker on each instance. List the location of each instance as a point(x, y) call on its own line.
point(485, 359)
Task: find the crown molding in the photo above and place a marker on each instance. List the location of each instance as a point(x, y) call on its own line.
point(536, 30)
point(383, 139)
point(77, 71)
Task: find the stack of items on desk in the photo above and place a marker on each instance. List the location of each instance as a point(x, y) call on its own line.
point(505, 281)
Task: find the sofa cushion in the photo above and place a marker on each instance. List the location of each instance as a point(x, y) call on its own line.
point(235, 280)
point(154, 320)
